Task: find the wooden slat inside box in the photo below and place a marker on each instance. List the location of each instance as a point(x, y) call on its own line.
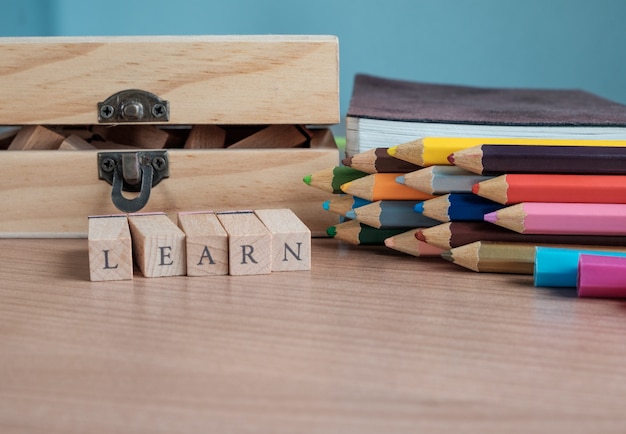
point(206, 80)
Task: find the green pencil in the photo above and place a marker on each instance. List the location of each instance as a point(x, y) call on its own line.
point(357, 233)
point(332, 178)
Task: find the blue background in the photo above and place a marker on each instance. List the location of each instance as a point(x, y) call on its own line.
point(529, 43)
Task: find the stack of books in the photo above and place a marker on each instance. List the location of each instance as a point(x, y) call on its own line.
point(503, 180)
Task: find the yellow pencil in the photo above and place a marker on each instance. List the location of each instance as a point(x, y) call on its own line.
point(429, 151)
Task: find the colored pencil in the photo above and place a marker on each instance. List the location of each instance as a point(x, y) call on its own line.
point(558, 267)
point(494, 257)
point(407, 243)
point(382, 186)
point(562, 218)
point(455, 234)
point(457, 207)
point(601, 276)
point(500, 159)
point(378, 160)
point(357, 233)
point(391, 214)
point(332, 178)
point(516, 188)
point(428, 151)
point(342, 204)
point(441, 179)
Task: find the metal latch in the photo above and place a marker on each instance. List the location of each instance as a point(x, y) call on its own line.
point(136, 171)
point(133, 105)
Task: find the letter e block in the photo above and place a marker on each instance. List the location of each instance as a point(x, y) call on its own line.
point(249, 243)
point(291, 239)
point(206, 243)
point(158, 244)
point(110, 248)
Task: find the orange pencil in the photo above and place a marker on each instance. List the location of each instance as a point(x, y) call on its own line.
point(516, 188)
point(382, 186)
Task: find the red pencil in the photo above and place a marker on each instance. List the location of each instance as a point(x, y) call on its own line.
point(516, 188)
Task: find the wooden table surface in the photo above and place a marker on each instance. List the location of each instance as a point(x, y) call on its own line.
point(370, 340)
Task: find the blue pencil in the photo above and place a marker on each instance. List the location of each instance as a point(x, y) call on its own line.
point(457, 207)
point(391, 214)
point(344, 203)
point(558, 267)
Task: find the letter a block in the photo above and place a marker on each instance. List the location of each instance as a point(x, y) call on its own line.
point(291, 239)
point(110, 248)
point(249, 243)
point(206, 243)
point(159, 245)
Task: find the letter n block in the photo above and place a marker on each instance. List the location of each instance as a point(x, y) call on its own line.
point(110, 248)
point(249, 243)
point(159, 245)
point(291, 239)
point(206, 243)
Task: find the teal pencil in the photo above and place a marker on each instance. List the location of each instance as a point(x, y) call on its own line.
point(391, 214)
point(342, 204)
point(558, 267)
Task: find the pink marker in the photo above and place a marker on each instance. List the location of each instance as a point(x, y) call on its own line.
point(562, 218)
point(601, 276)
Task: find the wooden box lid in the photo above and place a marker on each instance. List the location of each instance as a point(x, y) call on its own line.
point(204, 79)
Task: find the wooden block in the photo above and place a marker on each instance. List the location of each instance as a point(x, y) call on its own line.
point(274, 136)
point(206, 137)
point(249, 243)
point(206, 243)
point(158, 245)
point(110, 250)
point(291, 239)
point(75, 143)
point(36, 137)
point(139, 136)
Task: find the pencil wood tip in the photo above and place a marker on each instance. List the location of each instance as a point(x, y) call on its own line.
point(307, 179)
point(491, 217)
point(331, 231)
point(419, 207)
point(345, 187)
point(326, 205)
point(476, 188)
point(351, 214)
point(400, 179)
point(347, 161)
point(420, 235)
point(392, 151)
point(447, 255)
point(450, 159)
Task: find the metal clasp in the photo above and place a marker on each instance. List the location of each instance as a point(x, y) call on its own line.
point(137, 171)
point(133, 105)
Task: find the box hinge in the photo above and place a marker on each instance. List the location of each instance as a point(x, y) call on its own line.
point(136, 171)
point(133, 105)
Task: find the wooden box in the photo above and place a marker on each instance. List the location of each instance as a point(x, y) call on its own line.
point(173, 85)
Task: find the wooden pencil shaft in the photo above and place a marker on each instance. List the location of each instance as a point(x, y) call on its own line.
point(493, 257)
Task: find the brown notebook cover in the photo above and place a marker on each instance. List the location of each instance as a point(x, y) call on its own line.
point(398, 100)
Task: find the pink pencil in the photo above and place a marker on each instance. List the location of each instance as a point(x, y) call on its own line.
point(601, 276)
point(562, 218)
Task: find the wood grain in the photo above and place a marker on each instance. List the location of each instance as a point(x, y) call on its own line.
point(206, 79)
point(199, 180)
point(368, 341)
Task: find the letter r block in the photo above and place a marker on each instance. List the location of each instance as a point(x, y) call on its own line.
point(249, 243)
point(291, 239)
point(110, 248)
point(159, 245)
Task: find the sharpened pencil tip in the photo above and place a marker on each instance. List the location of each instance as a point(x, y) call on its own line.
point(331, 231)
point(400, 179)
point(491, 217)
point(326, 205)
point(420, 235)
point(345, 187)
point(307, 179)
point(389, 242)
point(419, 207)
point(447, 255)
point(475, 188)
point(347, 161)
point(392, 151)
point(351, 214)
point(451, 159)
